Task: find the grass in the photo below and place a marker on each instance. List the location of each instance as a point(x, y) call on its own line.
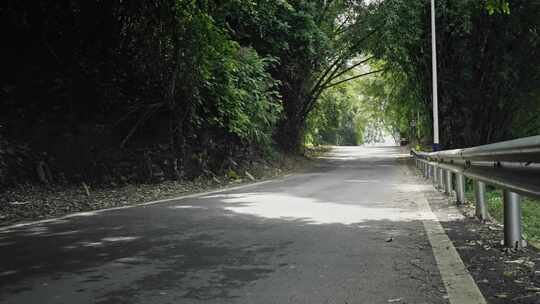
point(530, 212)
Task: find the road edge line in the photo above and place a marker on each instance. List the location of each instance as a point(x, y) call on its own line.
point(198, 194)
point(460, 286)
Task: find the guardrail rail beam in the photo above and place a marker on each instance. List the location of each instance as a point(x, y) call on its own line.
point(513, 166)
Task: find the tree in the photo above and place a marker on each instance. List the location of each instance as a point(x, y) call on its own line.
point(314, 42)
point(339, 117)
point(487, 66)
point(92, 83)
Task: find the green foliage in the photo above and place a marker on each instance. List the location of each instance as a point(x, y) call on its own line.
point(498, 6)
point(353, 113)
point(205, 79)
point(393, 108)
point(312, 41)
point(336, 119)
point(221, 83)
point(168, 73)
point(250, 107)
point(232, 174)
point(530, 212)
point(487, 66)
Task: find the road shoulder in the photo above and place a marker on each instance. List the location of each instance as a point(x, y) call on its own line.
point(502, 275)
point(30, 203)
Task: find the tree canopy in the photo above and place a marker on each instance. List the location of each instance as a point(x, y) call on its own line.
point(487, 64)
point(189, 84)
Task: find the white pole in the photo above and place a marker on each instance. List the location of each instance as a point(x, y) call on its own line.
point(434, 67)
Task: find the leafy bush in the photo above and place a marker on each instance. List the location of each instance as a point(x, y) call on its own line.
point(250, 106)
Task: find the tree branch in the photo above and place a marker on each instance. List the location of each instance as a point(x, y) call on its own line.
point(334, 67)
point(326, 7)
point(322, 84)
point(351, 78)
point(347, 70)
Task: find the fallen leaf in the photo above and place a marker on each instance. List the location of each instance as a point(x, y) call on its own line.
point(250, 176)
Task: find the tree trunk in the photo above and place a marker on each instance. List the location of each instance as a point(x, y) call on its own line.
point(290, 135)
point(290, 131)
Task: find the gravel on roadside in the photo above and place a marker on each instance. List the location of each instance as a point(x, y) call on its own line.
point(33, 202)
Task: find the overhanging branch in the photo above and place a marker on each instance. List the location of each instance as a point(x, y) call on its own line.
point(347, 70)
point(350, 78)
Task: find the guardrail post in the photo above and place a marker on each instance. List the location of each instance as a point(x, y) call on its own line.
point(512, 220)
point(435, 177)
point(440, 178)
point(480, 196)
point(448, 182)
point(460, 188)
point(426, 170)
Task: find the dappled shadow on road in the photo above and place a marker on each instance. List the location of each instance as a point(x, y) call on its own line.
point(216, 255)
point(215, 248)
point(320, 236)
point(141, 257)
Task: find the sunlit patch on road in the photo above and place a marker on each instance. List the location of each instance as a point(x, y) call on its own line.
point(362, 181)
point(120, 239)
point(8, 272)
point(187, 207)
point(313, 211)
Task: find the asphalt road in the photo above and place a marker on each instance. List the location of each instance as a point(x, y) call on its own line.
point(349, 231)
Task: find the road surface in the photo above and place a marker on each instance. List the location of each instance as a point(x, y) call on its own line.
point(353, 230)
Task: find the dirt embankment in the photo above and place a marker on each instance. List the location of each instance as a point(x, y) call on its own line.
point(27, 202)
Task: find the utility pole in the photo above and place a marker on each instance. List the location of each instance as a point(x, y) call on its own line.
point(436, 145)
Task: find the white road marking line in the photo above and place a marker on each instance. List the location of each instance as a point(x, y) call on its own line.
point(92, 212)
point(460, 286)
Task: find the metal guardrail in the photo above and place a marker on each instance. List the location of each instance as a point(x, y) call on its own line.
point(513, 166)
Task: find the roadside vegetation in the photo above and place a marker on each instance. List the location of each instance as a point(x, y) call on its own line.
point(488, 77)
point(110, 94)
point(106, 95)
point(488, 70)
point(33, 201)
